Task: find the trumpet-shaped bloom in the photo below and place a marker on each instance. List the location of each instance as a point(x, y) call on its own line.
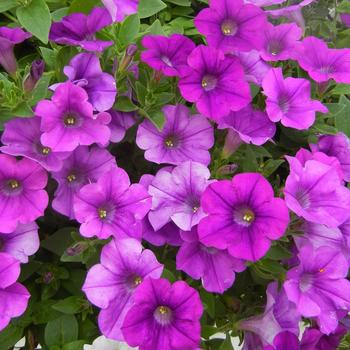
point(243, 216)
point(22, 196)
point(118, 9)
point(164, 316)
point(111, 206)
point(283, 341)
point(183, 137)
point(289, 100)
point(120, 123)
point(111, 284)
point(232, 25)
point(215, 82)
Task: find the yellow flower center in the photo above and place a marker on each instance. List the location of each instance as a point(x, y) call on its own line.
point(102, 213)
point(14, 184)
point(163, 310)
point(229, 28)
point(71, 177)
point(45, 150)
point(137, 280)
point(169, 143)
point(321, 270)
point(248, 216)
point(70, 120)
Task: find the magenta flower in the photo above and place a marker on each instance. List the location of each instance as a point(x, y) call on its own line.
point(243, 216)
point(336, 146)
point(231, 26)
point(214, 82)
point(22, 242)
point(330, 63)
point(176, 196)
point(13, 296)
point(9, 37)
point(67, 120)
point(22, 198)
point(21, 137)
point(78, 29)
point(289, 100)
point(111, 207)
point(118, 9)
point(314, 191)
point(85, 71)
point(252, 126)
point(345, 18)
point(183, 137)
point(82, 167)
point(111, 284)
point(120, 123)
point(280, 41)
point(318, 286)
point(280, 315)
point(283, 341)
point(216, 268)
point(167, 54)
point(164, 316)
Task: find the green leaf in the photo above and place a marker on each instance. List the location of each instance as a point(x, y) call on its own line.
point(36, 19)
point(156, 28)
point(84, 6)
point(208, 300)
point(49, 57)
point(43, 312)
point(168, 275)
point(125, 105)
point(271, 166)
point(342, 118)
point(277, 252)
point(10, 336)
point(157, 118)
point(59, 241)
point(208, 331)
point(129, 29)
point(41, 89)
point(61, 331)
point(71, 305)
point(6, 5)
point(227, 344)
point(75, 345)
point(180, 2)
point(341, 89)
point(149, 8)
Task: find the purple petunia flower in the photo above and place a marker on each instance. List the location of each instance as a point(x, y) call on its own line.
point(9, 37)
point(22, 198)
point(214, 82)
point(318, 286)
point(280, 315)
point(13, 296)
point(118, 9)
point(78, 29)
point(323, 63)
point(252, 126)
point(283, 341)
point(336, 146)
point(345, 18)
point(176, 195)
point(121, 121)
point(83, 166)
point(111, 284)
point(231, 26)
point(243, 216)
point(85, 71)
point(216, 268)
point(22, 242)
point(280, 41)
point(183, 137)
point(67, 120)
point(111, 207)
point(36, 71)
point(314, 191)
point(164, 316)
point(21, 137)
point(289, 100)
point(167, 54)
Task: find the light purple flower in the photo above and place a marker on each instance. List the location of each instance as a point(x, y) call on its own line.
point(216, 268)
point(323, 63)
point(111, 206)
point(262, 3)
point(78, 29)
point(167, 54)
point(164, 316)
point(120, 123)
point(283, 341)
point(176, 196)
point(243, 216)
point(85, 71)
point(183, 137)
point(231, 26)
point(111, 284)
point(36, 71)
point(280, 315)
point(22, 196)
point(345, 18)
point(214, 82)
point(22, 242)
point(83, 166)
point(118, 9)
point(9, 37)
point(21, 137)
point(280, 41)
point(67, 120)
point(253, 126)
point(13, 296)
point(289, 100)
point(315, 192)
point(318, 286)
point(336, 146)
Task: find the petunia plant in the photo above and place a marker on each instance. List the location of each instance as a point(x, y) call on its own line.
point(174, 174)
